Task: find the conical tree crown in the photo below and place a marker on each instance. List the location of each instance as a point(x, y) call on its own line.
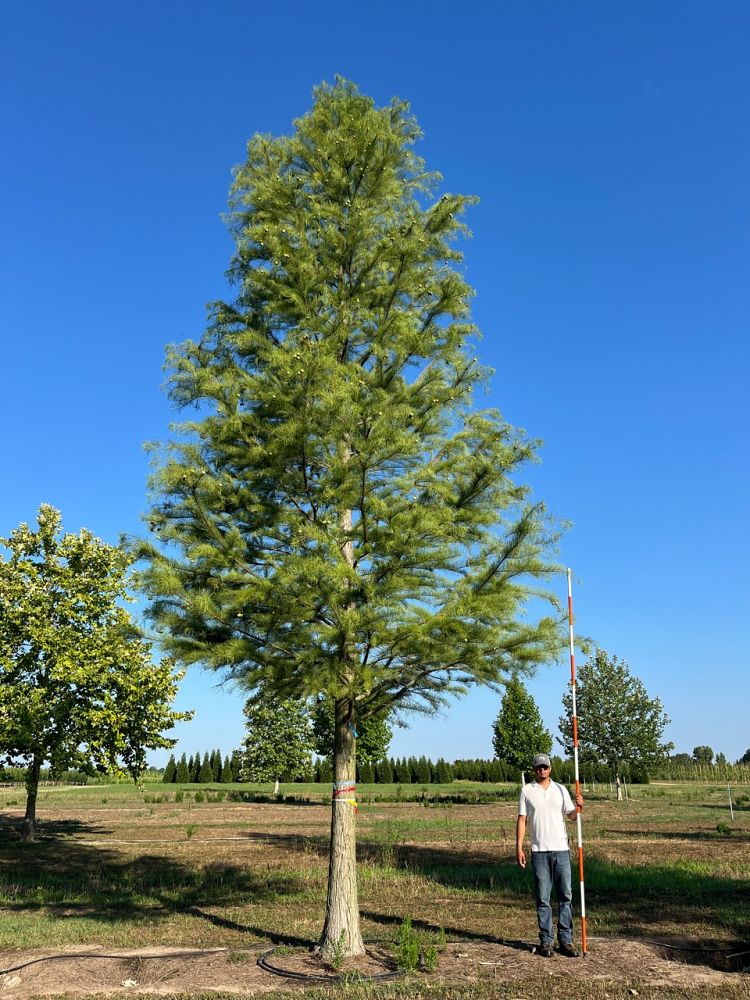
point(338, 517)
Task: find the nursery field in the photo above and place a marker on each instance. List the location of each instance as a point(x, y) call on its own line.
point(138, 876)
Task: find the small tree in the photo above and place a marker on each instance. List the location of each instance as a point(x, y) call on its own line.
point(278, 741)
point(518, 731)
point(78, 687)
point(703, 755)
point(618, 723)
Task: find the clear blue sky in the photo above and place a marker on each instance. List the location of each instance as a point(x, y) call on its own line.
point(609, 146)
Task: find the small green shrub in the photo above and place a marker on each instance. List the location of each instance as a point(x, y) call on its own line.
point(338, 951)
point(190, 830)
point(199, 797)
point(407, 953)
point(724, 828)
point(430, 958)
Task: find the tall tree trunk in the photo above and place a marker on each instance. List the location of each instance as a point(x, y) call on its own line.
point(341, 934)
point(28, 827)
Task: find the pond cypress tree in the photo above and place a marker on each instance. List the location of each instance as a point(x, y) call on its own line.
point(338, 517)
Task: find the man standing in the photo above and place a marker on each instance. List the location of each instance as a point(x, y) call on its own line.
point(546, 803)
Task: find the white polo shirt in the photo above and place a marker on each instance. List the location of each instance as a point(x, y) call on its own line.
point(546, 809)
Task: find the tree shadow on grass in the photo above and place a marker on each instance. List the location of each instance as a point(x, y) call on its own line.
point(639, 897)
point(63, 876)
point(47, 830)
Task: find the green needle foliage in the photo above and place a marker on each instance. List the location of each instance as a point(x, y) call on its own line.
point(78, 688)
point(518, 731)
point(338, 517)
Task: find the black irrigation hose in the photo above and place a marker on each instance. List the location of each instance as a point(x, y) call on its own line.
point(311, 977)
point(63, 956)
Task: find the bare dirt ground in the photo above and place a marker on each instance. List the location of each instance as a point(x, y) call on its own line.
point(83, 971)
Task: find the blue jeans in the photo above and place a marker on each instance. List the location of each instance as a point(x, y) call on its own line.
point(553, 868)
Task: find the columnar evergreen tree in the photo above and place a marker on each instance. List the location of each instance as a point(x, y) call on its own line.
point(384, 772)
point(338, 518)
point(278, 741)
point(206, 772)
point(216, 764)
point(618, 723)
point(170, 771)
point(518, 731)
point(443, 772)
point(78, 687)
point(226, 772)
point(182, 777)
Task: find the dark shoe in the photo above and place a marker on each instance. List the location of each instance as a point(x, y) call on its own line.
point(545, 950)
point(568, 950)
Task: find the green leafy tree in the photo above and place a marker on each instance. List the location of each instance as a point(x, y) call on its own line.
point(703, 755)
point(338, 517)
point(518, 731)
point(278, 741)
point(170, 771)
point(373, 734)
point(745, 758)
point(618, 723)
point(78, 688)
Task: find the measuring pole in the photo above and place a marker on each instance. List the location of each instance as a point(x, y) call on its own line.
point(579, 829)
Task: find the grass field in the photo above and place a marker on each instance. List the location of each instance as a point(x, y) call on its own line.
point(114, 867)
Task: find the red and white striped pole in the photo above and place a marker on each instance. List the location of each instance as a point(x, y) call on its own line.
point(579, 829)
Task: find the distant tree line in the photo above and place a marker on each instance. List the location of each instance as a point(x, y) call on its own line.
point(390, 771)
point(207, 769)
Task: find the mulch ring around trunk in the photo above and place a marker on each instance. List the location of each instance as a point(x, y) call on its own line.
point(82, 971)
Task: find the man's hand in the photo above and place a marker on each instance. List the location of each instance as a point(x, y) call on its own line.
point(579, 807)
point(521, 857)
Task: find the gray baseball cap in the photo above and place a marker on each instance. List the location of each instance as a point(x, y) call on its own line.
point(542, 758)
